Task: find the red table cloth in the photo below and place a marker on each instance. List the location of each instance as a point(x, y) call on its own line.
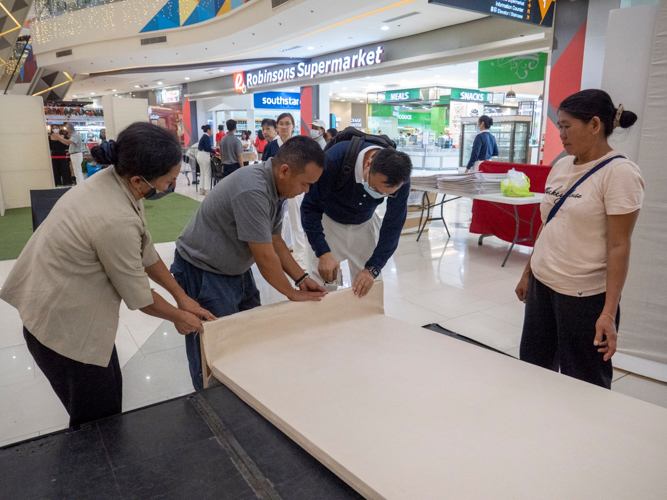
point(489, 219)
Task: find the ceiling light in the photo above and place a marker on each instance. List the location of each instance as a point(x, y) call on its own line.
point(222, 71)
point(187, 77)
point(311, 48)
point(114, 90)
point(92, 93)
point(74, 95)
point(136, 86)
point(510, 94)
point(337, 81)
point(384, 28)
point(159, 83)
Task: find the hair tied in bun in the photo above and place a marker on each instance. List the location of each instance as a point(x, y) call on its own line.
point(105, 154)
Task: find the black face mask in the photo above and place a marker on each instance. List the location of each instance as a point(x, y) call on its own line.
point(154, 194)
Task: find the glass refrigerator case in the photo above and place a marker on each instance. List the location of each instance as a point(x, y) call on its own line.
point(512, 134)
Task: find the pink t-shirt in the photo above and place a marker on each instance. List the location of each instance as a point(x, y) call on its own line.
point(570, 255)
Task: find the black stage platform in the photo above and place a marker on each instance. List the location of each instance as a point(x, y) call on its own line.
point(205, 446)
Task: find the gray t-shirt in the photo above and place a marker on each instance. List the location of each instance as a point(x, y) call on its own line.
point(230, 148)
point(75, 147)
point(243, 208)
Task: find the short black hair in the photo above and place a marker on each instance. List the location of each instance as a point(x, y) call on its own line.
point(298, 152)
point(141, 149)
point(332, 132)
point(206, 128)
point(269, 122)
point(231, 125)
point(260, 135)
point(221, 128)
point(486, 120)
point(395, 165)
point(589, 103)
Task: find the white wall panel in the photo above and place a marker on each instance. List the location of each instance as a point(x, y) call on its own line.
point(120, 112)
point(25, 163)
point(635, 74)
point(626, 68)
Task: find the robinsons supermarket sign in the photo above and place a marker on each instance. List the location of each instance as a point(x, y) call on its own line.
point(245, 80)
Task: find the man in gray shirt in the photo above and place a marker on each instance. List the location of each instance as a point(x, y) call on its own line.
point(240, 223)
point(231, 150)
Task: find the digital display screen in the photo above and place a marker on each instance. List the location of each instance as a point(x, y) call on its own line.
point(540, 12)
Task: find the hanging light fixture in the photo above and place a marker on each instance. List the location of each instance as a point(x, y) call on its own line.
point(510, 94)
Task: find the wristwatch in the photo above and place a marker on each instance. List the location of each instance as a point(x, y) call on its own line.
point(374, 271)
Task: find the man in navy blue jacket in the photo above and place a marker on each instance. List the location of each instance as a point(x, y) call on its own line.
point(341, 224)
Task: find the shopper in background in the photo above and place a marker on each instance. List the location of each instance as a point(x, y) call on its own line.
point(103, 136)
point(285, 127)
point(231, 150)
point(246, 142)
point(330, 134)
point(293, 231)
point(59, 161)
point(240, 224)
point(340, 218)
point(317, 130)
point(91, 252)
point(270, 133)
point(484, 146)
point(573, 281)
point(75, 150)
point(219, 135)
point(260, 144)
point(204, 150)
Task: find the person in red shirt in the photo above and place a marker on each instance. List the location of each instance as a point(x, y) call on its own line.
point(219, 135)
point(260, 142)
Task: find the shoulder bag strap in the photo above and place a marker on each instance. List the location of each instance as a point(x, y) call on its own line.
point(349, 163)
point(560, 201)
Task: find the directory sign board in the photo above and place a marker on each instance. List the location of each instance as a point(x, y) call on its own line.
point(527, 11)
point(277, 100)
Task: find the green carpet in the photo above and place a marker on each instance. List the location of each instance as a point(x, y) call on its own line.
point(166, 219)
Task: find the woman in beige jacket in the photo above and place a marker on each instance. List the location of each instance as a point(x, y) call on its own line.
point(91, 252)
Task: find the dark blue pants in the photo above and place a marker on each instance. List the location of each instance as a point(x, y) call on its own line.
point(558, 334)
point(222, 295)
point(229, 168)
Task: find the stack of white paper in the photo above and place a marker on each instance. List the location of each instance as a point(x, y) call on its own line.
point(473, 183)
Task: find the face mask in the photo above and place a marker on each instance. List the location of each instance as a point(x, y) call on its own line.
point(372, 192)
point(154, 194)
point(55, 130)
point(315, 134)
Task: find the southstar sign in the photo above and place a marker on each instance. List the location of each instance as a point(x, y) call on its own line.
point(359, 59)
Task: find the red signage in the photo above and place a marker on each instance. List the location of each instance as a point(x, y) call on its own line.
point(239, 82)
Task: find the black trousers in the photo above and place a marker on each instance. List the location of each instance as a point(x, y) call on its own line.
point(558, 334)
point(229, 168)
point(88, 392)
point(61, 171)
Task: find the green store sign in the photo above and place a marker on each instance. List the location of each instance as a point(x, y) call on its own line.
point(512, 70)
point(403, 95)
point(469, 95)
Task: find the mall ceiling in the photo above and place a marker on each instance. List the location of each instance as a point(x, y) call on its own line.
point(284, 34)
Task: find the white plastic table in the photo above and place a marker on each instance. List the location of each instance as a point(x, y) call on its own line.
point(497, 199)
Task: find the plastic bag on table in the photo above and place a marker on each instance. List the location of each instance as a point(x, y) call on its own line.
point(516, 185)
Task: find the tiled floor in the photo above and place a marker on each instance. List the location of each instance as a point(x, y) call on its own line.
point(450, 281)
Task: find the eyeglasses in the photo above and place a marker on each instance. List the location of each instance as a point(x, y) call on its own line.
point(383, 194)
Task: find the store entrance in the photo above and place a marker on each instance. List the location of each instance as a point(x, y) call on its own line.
point(424, 112)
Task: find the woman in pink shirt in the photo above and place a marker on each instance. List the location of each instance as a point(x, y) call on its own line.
point(572, 284)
